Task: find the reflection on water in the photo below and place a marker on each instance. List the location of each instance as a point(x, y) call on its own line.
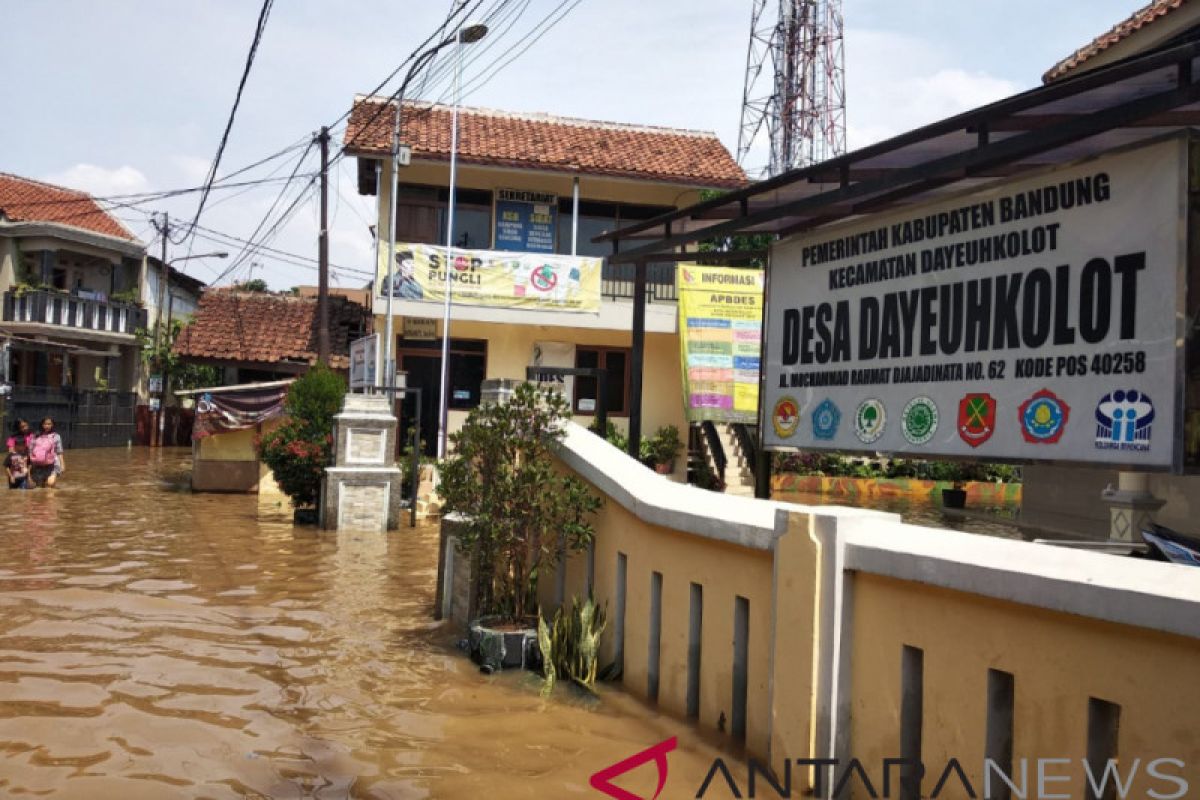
point(155, 643)
point(921, 510)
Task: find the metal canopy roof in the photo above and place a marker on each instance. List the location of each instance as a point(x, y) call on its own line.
point(1124, 103)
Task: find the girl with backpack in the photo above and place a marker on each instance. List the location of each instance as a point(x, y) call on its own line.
point(46, 455)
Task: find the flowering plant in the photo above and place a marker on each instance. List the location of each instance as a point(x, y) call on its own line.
point(298, 451)
point(296, 459)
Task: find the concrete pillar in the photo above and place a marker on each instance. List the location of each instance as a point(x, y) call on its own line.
point(1131, 506)
point(362, 489)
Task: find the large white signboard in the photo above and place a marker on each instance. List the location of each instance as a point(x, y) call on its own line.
point(1034, 321)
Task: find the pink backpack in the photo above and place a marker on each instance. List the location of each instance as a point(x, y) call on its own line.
point(42, 453)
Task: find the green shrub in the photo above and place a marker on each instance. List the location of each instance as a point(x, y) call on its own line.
point(298, 451)
point(315, 398)
point(612, 435)
point(520, 511)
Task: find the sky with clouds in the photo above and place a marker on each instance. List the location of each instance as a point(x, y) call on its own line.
point(131, 96)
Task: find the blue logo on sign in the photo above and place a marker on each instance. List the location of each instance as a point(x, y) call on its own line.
point(1124, 420)
point(825, 419)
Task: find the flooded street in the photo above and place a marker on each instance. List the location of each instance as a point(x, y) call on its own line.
point(156, 643)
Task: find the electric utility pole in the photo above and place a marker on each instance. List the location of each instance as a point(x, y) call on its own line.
point(162, 280)
point(162, 339)
point(323, 255)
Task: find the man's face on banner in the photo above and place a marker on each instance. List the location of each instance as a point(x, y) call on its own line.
point(407, 265)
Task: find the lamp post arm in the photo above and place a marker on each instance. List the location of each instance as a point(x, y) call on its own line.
point(389, 327)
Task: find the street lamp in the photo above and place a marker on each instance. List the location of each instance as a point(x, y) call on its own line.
point(468, 34)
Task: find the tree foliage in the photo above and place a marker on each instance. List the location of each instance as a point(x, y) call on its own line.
point(741, 241)
point(160, 357)
point(520, 510)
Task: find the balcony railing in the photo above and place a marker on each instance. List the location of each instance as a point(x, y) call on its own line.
point(55, 308)
point(617, 282)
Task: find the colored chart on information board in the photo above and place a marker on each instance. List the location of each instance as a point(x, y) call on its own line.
point(720, 341)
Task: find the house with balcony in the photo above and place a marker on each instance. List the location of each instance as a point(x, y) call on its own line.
point(70, 284)
point(580, 178)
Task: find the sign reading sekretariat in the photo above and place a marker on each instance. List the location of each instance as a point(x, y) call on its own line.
point(1034, 321)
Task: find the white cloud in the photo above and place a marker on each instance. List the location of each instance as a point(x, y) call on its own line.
point(101, 181)
point(192, 169)
point(896, 82)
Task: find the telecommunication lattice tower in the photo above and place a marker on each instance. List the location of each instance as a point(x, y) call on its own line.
point(800, 101)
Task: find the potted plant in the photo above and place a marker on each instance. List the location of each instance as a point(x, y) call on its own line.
point(659, 451)
point(960, 473)
point(520, 514)
point(298, 451)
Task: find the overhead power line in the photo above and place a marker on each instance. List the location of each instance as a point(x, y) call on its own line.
point(263, 14)
point(286, 256)
point(237, 260)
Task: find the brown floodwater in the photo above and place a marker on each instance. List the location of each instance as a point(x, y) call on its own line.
point(996, 520)
point(156, 643)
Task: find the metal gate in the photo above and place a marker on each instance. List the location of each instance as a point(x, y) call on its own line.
point(83, 417)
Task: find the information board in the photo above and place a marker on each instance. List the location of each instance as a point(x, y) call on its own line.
point(526, 221)
point(720, 341)
point(1034, 321)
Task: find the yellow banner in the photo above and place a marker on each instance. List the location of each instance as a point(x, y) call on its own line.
point(536, 281)
point(720, 336)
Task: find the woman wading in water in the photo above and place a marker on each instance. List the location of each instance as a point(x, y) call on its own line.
point(46, 455)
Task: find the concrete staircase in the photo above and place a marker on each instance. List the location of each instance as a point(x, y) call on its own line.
point(739, 479)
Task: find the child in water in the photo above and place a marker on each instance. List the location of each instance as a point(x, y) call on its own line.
point(16, 465)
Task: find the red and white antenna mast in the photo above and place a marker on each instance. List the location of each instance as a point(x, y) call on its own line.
point(795, 87)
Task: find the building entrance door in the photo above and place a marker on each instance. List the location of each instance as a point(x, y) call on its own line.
point(423, 372)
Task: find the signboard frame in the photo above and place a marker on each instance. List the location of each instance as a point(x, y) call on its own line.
point(365, 363)
point(1172, 396)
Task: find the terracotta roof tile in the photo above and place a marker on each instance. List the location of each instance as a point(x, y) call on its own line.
point(25, 200)
point(262, 328)
point(1155, 10)
point(543, 141)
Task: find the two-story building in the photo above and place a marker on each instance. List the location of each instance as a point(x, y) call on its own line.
point(70, 288)
point(583, 178)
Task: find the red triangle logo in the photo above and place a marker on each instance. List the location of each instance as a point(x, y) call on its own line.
point(602, 780)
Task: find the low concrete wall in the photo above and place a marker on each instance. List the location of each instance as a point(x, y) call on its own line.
point(228, 462)
point(819, 631)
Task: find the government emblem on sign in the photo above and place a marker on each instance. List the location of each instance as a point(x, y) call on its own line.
point(869, 420)
point(1124, 420)
point(920, 420)
point(976, 418)
point(825, 419)
point(785, 417)
point(1043, 418)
